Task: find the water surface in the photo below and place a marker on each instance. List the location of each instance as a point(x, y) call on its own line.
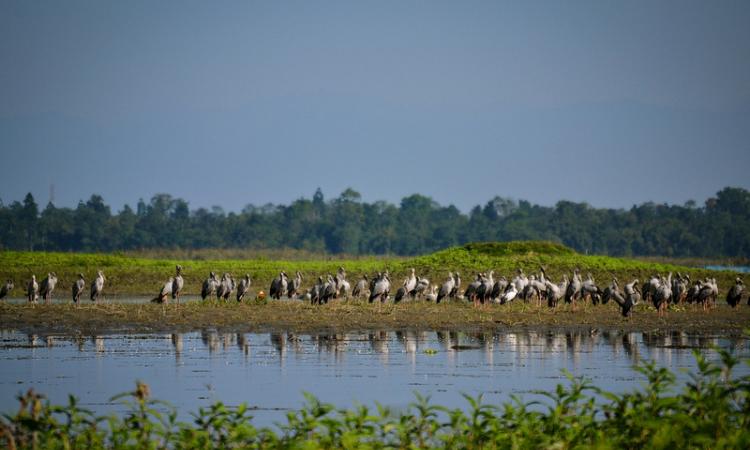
point(739, 269)
point(270, 371)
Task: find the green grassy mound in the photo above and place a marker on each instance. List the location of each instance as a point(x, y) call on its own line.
point(127, 275)
point(518, 248)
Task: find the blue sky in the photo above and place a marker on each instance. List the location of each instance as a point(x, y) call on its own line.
point(230, 103)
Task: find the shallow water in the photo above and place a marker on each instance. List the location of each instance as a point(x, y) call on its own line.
point(740, 269)
point(270, 371)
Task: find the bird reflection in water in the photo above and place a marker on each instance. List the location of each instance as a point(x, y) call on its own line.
point(177, 344)
point(210, 339)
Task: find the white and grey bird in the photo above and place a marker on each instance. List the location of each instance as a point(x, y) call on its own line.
point(432, 295)
point(555, 292)
point(97, 287)
point(447, 288)
point(539, 286)
point(209, 286)
point(226, 287)
point(693, 291)
point(329, 289)
point(244, 287)
point(573, 290)
point(381, 289)
point(520, 280)
point(625, 302)
point(708, 293)
point(400, 294)
point(649, 288)
point(279, 286)
point(680, 286)
point(423, 285)
point(484, 292)
point(589, 290)
point(78, 288)
point(470, 293)
point(360, 289)
point(632, 292)
point(663, 295)
point(47, 287)
point(734, 296)
point(177, 283)
point(315, 291)
point(497, 290)
point(530, 290)
point(374, 280)
point(342, 286)
point(32, 291)
point(455, 293)
point(410, 285)
point(294, 285)
point(164, 293)
point(609, 290)
point(6, 288)
point(510, 294)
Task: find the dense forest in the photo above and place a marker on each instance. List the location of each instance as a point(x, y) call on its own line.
point(346, 224)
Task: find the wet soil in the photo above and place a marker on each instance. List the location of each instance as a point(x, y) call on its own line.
point(352, 316)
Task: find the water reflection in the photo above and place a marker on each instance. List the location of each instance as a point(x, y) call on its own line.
point(178, 345)
point(243, 343)
point(523, 345)
point(210, 339)
point(271, 370)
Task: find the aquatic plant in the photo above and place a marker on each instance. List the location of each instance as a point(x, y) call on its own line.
point(711, 410)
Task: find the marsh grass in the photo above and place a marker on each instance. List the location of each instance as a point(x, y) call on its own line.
point(711, 410)
point(136, 275)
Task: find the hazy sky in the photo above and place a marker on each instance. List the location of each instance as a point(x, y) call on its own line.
point(229, 103)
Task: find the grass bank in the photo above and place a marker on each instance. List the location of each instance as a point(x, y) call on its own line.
point(712, 411)
point(343, 317)
point(137, 275)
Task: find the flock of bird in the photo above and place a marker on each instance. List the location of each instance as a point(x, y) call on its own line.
point(484, 289)
point(46, 287)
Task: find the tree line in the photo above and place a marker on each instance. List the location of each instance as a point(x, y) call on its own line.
point(347, 225)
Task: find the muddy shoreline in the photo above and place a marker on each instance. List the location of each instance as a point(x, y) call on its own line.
point(342, 317)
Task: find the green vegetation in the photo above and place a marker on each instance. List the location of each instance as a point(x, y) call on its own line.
point(518, 248)
point(711, 411)
point(129, 275)
point(418, 225)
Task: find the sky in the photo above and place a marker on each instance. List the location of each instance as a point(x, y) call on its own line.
point(232, 103)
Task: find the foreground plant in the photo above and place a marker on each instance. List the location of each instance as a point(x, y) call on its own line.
point(712, 410)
